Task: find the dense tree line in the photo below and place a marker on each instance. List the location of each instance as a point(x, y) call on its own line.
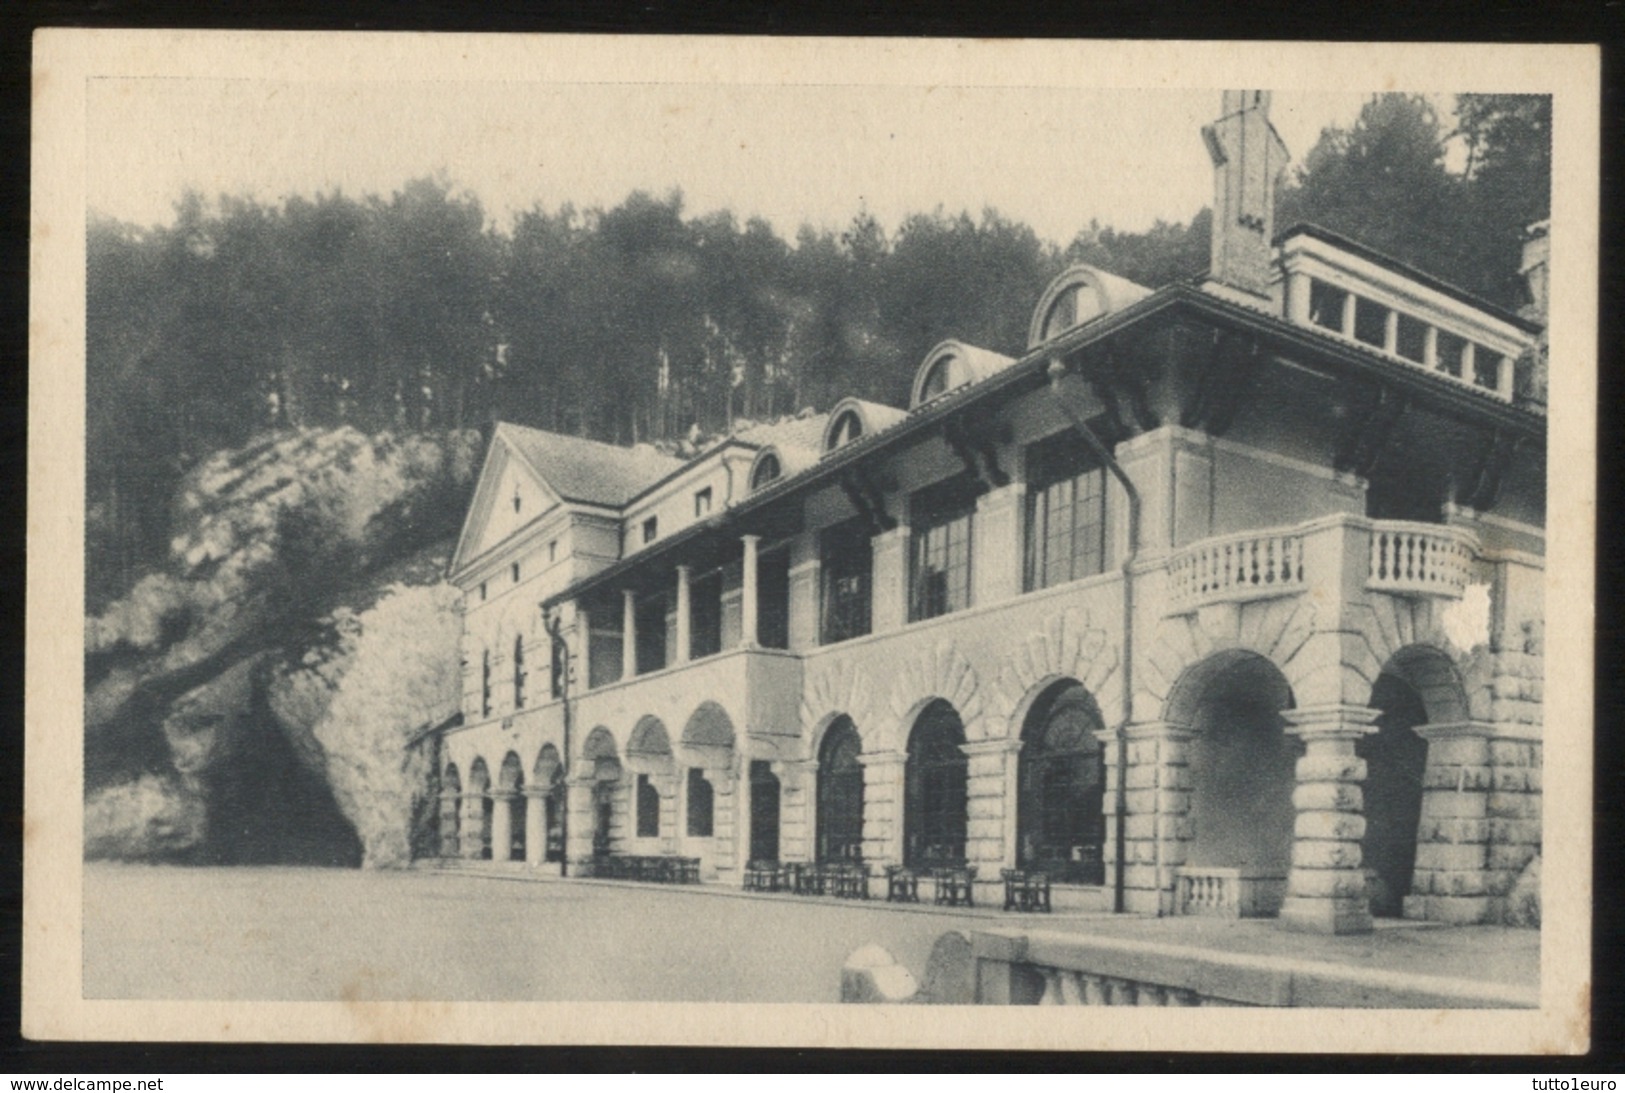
point(639, 323)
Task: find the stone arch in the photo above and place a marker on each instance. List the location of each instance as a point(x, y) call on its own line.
point(942, 672)
point(708, 737)
point(1381, 628)
point(821, 729)
point(600, 754)
point(936, 786)
point(838, 687)
point(1242, 764)
point(451, 816)
point(648, 749)
point(838, 806)
point(549, 767)
point(1068, 646)
point(1418, 684)
point(483, 809)
point(1060, 783)
point(1277, 630)
point(511, 775)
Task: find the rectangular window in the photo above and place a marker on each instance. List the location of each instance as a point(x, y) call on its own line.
point(1486, 368)
point(650, 615)
point(699, 804)
point(773, 599)
point(705, 615)
point(702, 503)
point(516, 573)
point(1412, 340)
point(1326, 305)
point(651, 528)
point(553, 550)
point(482, 591)
point(604, 652)
point(1450, 349)
point(1370, 322)
point(519, 673)
point(846, 565)
point(648, 819)
point(940, 562)
point(1066, 513)
point(485, 683)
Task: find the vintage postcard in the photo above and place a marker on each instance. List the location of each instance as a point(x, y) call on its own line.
point(975, 544)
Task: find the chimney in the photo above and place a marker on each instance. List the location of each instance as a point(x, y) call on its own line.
point(1248, 158)
point(1535, 267)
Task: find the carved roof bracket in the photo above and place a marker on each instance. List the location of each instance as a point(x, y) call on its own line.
point(1362, 443)
point(1492, 468)
point(861, 491)
point(974, 443)
point(1224, 384)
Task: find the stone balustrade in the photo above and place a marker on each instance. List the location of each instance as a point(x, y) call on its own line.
point(1420, 559)
point(1237, 568)
point(1225, 893)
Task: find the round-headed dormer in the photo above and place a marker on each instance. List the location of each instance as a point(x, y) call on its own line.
point(853, 418)
point(765, 468)
point(951, 365)
point(1081, 294)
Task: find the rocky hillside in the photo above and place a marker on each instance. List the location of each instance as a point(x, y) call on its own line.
point(254, 700)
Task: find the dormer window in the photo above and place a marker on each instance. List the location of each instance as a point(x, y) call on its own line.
point(943, 377)
point(651, 529)
point(1080, 295)
point(767, 470)
point(847, 428)
point(515, 571)
point(702, 503)
point(516, 499)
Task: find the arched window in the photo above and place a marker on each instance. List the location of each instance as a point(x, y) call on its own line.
point(648, 805)
point(847, 428)
point(1075, 305)
point(767, 469)
point(1060, 827)
point(935, 783)
point(519, 672)
point(944, 376)
point(840, 793)
point(699, 804)
point(451, 815)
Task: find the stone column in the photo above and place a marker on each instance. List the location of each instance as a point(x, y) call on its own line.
point(450, 815)
point(724, 823)
point(684, 618)
point(629, 634)
point(1297, 298)
point(579, 818)
point(1157, 828)
point(583, 636)
point(535, 827)
point(997, 572)
point(501, 827)
point(883, 807)
point(804, 591)
point(473, 825)
point(1513, 809)
point(990, 830)
point(1448, 883)
point(798, 808)
point(742, 822)
point(1326, 887)
point(670, 814)
point(889, 581)
point(748, 592)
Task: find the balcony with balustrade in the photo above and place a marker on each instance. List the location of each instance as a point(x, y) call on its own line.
point(1395, 557)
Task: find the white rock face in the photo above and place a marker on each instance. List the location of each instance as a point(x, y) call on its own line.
point(144, 817)
point(351, 710)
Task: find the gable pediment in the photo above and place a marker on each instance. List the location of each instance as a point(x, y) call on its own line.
point(510, 496)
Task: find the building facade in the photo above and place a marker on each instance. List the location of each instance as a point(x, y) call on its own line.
point(1223, 597)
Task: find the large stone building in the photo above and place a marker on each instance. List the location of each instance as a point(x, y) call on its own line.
point(1226, 595)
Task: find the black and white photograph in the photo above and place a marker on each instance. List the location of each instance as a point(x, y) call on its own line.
point(732, 542)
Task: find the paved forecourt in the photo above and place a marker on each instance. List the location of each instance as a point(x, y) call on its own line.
point(321, 934)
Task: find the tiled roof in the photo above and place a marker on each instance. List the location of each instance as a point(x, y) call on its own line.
point(800, 432)
point(588, 470)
